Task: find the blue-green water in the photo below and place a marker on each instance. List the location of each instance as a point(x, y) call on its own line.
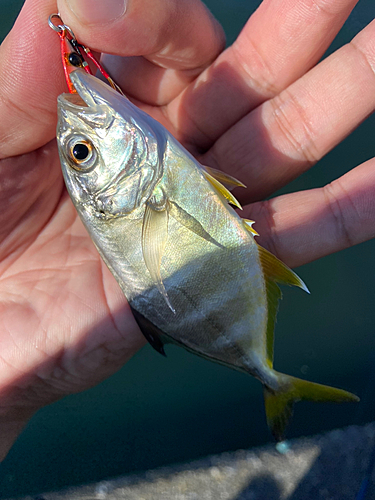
point(158, 411)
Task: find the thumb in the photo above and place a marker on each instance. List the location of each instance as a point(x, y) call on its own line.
point(178, 34)
point(97, 12)
point(31, 78)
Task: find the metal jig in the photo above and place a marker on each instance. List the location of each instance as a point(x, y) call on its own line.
point(74, 54)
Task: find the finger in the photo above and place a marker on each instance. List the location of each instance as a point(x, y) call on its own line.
point(147, 82)
point(178, 38)
point(31, 78)
point(279, 43)
point(287, 134)
point(301, 227)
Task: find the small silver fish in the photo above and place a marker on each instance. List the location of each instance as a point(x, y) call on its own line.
point(187, 263)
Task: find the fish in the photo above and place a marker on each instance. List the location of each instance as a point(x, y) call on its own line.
point(166, 227)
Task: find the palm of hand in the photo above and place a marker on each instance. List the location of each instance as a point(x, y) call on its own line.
point(64, 322)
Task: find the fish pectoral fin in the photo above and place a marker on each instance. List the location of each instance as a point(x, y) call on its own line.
point(190, 222)
point(221, 190)
point(227, 180)
point(154, 239)
point(279, 404)
point(276, 270)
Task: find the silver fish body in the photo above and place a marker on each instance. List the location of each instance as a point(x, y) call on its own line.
point(187, 263)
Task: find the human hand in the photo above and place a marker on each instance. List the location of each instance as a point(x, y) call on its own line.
point(65, 324)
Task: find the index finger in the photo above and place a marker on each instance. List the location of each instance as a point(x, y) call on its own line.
point(280, 42)
point(307, 225)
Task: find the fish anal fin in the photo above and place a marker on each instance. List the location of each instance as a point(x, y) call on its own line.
point(221, 190)
point(154, 239)
point(227, 180)
point(150, 331)
point(279, 404)
point(276, 270)
point(190, 222)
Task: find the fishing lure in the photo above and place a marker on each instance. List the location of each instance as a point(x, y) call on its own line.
point(74, 54)
point(164, 224)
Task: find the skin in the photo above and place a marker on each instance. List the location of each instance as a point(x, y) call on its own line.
point(264, 102)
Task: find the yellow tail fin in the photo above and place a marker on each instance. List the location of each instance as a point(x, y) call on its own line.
point(279, 405)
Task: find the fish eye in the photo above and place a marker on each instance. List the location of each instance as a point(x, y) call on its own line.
point(82, 153)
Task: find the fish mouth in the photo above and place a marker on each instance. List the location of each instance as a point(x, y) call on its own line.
point(91, 91)
point(87, 91)
point(72, 102)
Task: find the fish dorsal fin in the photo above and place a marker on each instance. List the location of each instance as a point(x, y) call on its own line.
point(227, 180)
point(221, 190)
point(154, 239)
point(249, 226)
point(275, 271)
point(190, 222)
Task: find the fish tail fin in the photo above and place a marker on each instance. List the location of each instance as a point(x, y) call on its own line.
point(279, 404)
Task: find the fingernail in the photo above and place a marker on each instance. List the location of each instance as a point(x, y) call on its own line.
point(97, 11)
